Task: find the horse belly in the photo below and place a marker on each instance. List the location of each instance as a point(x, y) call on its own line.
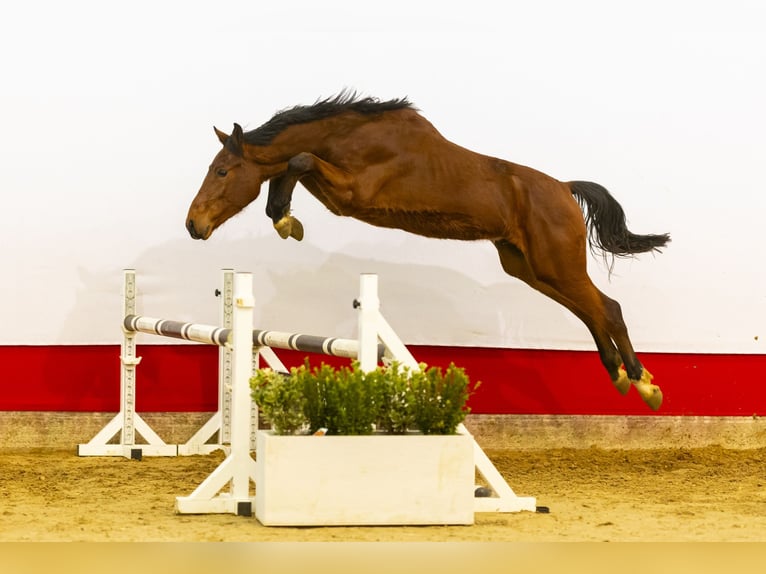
point(430, 224)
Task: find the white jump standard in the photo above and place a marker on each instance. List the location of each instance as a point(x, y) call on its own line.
point(241, 347)
point(127, 421)
point(238, 468)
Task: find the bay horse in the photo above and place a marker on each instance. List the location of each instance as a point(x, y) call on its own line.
point(383, 163)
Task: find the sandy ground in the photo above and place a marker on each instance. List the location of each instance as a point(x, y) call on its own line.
point(707, 494)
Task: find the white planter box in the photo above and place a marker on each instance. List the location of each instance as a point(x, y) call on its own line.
point(364, 480)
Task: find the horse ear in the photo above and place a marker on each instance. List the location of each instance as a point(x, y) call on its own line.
point(238, 136)
point(222, 137)
point(234, 143)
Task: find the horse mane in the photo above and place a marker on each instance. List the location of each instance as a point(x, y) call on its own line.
point(345, 101)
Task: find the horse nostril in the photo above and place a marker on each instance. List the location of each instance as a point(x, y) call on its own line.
point(192, 231)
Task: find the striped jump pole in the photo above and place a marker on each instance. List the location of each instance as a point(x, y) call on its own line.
point(211, 335)
point(206, 334)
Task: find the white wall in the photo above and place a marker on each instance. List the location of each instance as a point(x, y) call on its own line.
point(107, 113)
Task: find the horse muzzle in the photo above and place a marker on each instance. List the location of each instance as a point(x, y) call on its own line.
point(197, 233)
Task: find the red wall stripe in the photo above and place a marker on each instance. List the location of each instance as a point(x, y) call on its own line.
point(180, 378)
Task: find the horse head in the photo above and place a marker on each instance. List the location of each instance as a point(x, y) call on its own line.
point(232, 182)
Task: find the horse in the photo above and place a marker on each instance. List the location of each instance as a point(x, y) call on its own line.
point(383, 163)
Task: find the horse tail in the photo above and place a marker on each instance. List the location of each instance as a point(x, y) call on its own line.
point(605, 220)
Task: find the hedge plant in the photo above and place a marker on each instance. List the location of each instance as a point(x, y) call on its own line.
point(348, 401)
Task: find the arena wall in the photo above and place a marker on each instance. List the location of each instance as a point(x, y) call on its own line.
point(99, 169)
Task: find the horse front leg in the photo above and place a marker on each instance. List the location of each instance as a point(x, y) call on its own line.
point(278, 206)
point(330, 184)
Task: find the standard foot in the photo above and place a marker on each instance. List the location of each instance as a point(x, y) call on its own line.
point(289, 226)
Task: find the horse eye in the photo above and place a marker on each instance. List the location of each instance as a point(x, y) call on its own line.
point(220, 172)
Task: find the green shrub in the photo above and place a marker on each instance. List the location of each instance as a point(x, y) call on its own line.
point(352, 402)
point(348, 401)
point(280, 400)
point(437, 399)
point(314, 385)
point(395, 415)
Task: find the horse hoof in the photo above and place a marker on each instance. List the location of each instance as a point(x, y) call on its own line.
point(651, 394)
point(622, 384)
point(653, 397)
point(284, 226)
point(296, 229)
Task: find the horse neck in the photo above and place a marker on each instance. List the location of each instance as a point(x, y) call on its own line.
point(298, 138)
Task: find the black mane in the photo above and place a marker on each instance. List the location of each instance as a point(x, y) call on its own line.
point(334, 105)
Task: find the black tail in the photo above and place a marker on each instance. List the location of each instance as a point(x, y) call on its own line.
point(605, 219)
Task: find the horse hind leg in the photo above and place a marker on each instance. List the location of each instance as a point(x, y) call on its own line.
point(607, 351)
point(633, 372)
point(601, 315)
point(515, 263)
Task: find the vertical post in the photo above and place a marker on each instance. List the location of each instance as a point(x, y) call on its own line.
point(255, 361)
point(225, 358)
point(128, 362)
point(369, 309)
point(238, 468)
point(242, 368)
point(219, 425)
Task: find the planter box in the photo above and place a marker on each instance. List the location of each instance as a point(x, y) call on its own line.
point(364, 480)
